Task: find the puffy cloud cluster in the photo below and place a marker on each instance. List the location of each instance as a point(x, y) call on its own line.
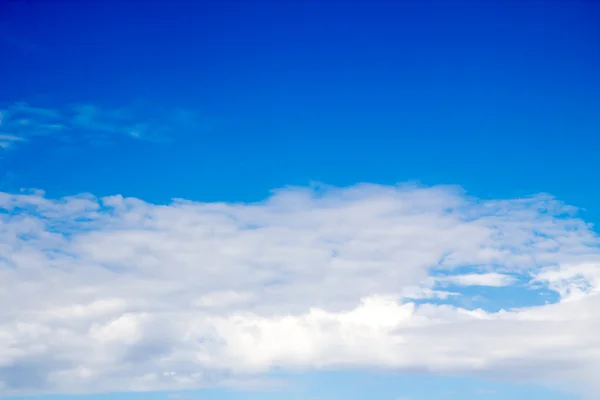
point(119, 294)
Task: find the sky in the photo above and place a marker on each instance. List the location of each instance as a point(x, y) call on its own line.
point(227, 200)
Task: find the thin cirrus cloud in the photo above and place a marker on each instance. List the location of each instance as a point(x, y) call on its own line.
point(8, 140)
point(117, 294)
point(20, 122)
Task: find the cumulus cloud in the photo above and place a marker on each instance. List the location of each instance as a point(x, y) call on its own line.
point(21, 122)
point(111, 294)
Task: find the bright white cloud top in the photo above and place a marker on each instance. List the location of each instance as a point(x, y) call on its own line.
point(118, 294)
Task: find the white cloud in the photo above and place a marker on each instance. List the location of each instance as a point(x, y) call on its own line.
point(120, 294)
point(492, 279)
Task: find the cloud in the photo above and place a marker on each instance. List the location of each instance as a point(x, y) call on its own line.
point(8, 140)
point(21, 122)
point(118, 294)
point(491, 279)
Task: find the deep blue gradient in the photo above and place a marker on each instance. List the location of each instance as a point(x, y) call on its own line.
point(501, 97)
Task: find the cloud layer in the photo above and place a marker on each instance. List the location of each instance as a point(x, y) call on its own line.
point(119, 294)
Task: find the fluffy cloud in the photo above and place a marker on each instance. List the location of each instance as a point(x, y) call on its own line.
point(119, 294)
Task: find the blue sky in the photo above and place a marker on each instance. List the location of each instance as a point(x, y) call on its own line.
point(291, 104)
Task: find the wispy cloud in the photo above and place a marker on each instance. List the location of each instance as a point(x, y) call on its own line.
point(20, 122)
point(8, 140)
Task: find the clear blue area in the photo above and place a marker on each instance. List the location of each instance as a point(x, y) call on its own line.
point(501, 97)
point(354, 386)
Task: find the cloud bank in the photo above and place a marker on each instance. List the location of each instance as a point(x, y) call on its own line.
point(117, 294)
